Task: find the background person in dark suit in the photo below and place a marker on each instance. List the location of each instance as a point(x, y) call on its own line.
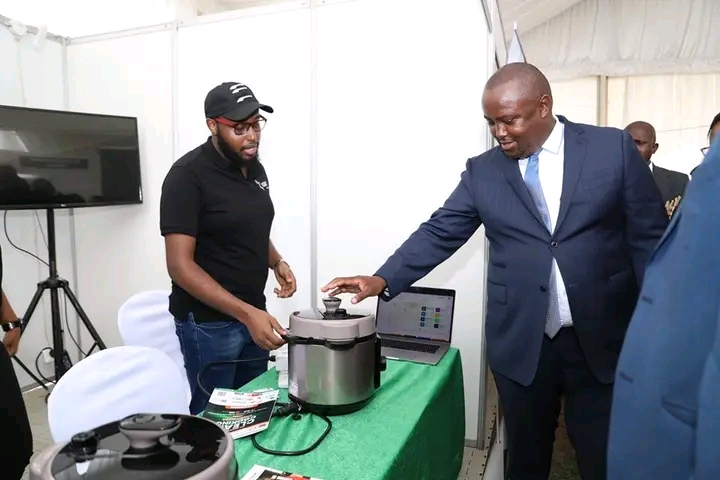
point(666, 407)
point(572, 214)
point(671, 184)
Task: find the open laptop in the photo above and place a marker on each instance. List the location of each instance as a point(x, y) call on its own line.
point(416, 325)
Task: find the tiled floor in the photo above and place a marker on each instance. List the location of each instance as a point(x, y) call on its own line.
point(473, 464)
point(37, 411)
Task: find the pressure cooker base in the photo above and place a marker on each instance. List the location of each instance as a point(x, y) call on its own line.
point(329, 410)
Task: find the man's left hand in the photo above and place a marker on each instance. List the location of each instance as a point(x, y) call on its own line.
point(286, 279)
point(12, 341)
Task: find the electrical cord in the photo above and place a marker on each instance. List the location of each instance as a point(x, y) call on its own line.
point(291, 409)
point(37, 366)
point(67, 316)
point(294, 411)
point(69, 330)
point(208, 365)
point(23, 96)
point(7, 236)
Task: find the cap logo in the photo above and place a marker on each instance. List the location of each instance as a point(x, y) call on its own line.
point(237, 88)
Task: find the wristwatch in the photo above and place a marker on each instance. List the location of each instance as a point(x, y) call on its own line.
point(12, 325)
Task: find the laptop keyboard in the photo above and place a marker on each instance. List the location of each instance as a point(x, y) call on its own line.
point(415, 347)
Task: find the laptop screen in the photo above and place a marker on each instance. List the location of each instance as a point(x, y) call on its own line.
point(418, 313)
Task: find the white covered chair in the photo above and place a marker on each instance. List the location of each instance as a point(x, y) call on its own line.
point(112, 384)
point(144, 320)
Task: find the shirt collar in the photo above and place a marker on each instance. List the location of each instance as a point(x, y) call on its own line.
point(253, 168)
point(554, 142)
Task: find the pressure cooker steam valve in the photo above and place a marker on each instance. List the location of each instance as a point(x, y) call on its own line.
point(144, 431)
point(331, 305)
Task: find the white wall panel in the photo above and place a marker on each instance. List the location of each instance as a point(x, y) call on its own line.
point(399, 113)
point(576, 99)
point(33, 77)
point(119, 249)
point(272, 56)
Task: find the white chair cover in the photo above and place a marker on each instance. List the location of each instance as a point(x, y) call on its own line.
point(112, 384)
point(144, 320)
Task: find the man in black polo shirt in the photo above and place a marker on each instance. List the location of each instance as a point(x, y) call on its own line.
point(216, 215)
point(14, 424)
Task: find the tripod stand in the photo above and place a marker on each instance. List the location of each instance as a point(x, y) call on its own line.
point(55, 284)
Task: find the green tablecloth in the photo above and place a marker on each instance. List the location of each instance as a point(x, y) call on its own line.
point(413, 429)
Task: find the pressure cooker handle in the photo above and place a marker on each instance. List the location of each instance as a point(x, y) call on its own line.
point(380, 362)
point(291, 339)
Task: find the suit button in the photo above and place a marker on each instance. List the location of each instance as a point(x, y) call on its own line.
point(553, 244)
point(543, 288)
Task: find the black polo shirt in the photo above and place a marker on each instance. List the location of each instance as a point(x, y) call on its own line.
point(206, 196)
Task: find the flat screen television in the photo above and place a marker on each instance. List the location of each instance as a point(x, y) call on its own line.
point(55, 159)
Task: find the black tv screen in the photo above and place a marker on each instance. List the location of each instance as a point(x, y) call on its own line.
point(56, 159)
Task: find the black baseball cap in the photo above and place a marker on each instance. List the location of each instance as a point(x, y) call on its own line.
point(234, 101)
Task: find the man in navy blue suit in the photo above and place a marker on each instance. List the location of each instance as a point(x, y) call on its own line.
point(572, 214)
point(666, 409)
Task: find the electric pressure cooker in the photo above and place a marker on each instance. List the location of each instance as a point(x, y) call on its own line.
point(334, 359)
point(142, 447)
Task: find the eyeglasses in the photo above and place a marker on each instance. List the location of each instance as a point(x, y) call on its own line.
point(243, 127)
point(704, 150)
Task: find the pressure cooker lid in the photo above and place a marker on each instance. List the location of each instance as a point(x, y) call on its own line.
point(332, 323)
point(140, 447)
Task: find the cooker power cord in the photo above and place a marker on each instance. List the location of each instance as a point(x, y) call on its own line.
point(209, 365)
point(294, 411)
point(281, 410)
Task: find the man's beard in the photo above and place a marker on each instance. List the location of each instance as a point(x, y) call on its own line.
point(232, 155)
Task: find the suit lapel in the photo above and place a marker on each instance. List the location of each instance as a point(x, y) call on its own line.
point(657, 172)
point(575, 151)
point(660, 178)
point(511, 171)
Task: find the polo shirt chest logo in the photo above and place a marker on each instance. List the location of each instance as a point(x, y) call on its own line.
point(263, 185)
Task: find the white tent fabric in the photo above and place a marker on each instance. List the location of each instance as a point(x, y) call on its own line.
point(680, 107)
point(627, 37)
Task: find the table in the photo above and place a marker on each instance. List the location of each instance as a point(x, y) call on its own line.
point(413, 429)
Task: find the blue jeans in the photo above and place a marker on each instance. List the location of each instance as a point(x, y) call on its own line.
point(202, 343)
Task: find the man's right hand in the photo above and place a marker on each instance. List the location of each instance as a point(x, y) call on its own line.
point(362, 285)
point(265, 330)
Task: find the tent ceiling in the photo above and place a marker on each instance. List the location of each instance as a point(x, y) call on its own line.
point(527, 13)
